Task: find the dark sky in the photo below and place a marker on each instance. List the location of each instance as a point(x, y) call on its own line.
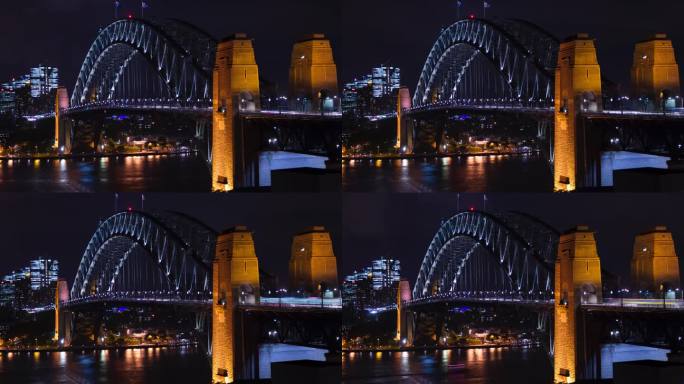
point(59, 32)
point(59, 226)
point(402, 225)
point(401, 32)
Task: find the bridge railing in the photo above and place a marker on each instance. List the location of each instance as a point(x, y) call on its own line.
point(145, 104)
point(145, 296)
point(611, 106)
point(202, 298)
point(488, 104)
point(194, 106)
point(486, 296)
point(641, 303)
point(303, 302)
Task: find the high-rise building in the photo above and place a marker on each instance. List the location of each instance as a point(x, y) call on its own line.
point(7, 291)
point(43, 80)
point(8, 93)
point(353, 99)
point(386, 80)
point(385, 273)
point(6, 99)
point(15, 288)
point(44, 273)
point(373, 93)
point(24, 95)
point(374, 286)
point(30, 286)
point(356, 291)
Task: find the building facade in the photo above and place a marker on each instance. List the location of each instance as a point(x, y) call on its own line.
point(373, 287)
point(373, 93)
point(30, 93)
point(30, 286)
point(43, 80)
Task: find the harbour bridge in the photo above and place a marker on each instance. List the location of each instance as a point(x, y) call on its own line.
point(169, 260)
point(516, 68)
point(174, 68)
point(512, 260)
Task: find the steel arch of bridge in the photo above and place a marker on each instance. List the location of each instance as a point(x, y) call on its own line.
point(180, 246)
point(522, 53)
point(181, 54)
point(522, 247)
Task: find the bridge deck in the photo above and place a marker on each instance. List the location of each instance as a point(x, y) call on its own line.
point(608, 304)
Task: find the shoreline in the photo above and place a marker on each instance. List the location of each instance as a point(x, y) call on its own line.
point(436, 156)
point(94, 155)
point(95, 348)
point(440, 348)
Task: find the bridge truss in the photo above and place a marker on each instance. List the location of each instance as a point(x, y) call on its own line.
point(489, 255)
point(138, 61)
point(139, 256)
point(476, 61)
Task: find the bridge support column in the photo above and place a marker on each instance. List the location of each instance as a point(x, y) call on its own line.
point(313, 76)
point(655, 73)
point(577, 89)
point(655, 266)
point(235, 88)
point(403, 131)
point(577, 281)
point(61, 103)
point(313, 266)
point(63, 317)
point(403, 295)
point(410, 327)
point(235, 281)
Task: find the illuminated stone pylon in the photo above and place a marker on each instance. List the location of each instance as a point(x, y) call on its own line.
point(403, 102)
point(235, 280)
point(313, 75)
point(403, 295)
point(61, 103)
point(655, 73)
point(577, 281)
point(235, 88)
point(62, 317)
point(312, 261)
point(577, 89)
point(655, 266)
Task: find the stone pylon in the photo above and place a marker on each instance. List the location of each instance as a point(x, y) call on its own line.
point(577, 89)
point(235, 89)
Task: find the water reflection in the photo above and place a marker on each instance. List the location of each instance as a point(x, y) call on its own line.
point(477, 365)
point(134, 366)
point(173, 173)
point(494, 173)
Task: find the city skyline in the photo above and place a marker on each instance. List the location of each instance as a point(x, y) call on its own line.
point(408, 29)
point(79, 21)
point(401, 226)
point(272, 225)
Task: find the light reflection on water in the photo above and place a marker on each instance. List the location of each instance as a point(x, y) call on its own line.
point(477, 365)
point(134, 366)
point(169, 173)
point(494, 173)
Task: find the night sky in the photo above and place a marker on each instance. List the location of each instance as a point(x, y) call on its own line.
point(401, 32)
point(59, 32)
point(59, 226)
point(401, 226)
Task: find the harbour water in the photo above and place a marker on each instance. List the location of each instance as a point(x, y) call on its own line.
point(488, 173)
point(475, 365)
point(148, 173)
